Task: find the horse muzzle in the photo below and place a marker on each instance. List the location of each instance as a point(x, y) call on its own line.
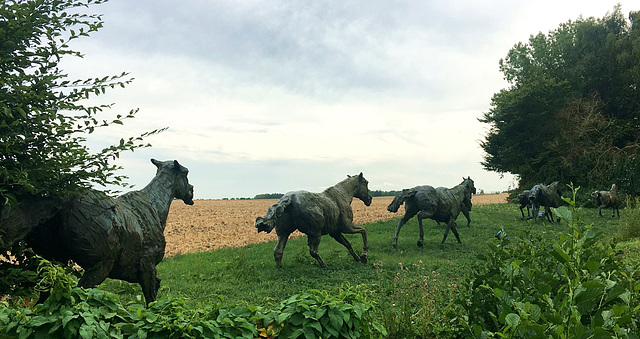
point(189, 198)
point(367, 202)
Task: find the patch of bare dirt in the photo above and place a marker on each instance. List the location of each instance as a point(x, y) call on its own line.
point(212, 224)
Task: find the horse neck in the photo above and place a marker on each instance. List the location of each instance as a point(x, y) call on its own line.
point(344, 189)
point(459, 188)
point(160, 193)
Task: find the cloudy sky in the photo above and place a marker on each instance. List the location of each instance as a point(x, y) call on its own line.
point(275, 96)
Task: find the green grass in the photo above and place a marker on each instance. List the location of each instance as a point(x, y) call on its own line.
point(248, 275)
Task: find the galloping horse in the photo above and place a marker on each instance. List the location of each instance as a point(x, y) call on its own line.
point(119, 238)
point(440, 204)
point(317, 214)
point(547, 196)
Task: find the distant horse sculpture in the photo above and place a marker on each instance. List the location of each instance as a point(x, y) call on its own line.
point(523, 199)
point(607, 199)
point(547, 196)
point(440, 204)
point(317, 214)
point(119, 238)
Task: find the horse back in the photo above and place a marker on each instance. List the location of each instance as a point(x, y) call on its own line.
point(449, 203)
point(89, 229)
point(425, 198)
point(312, 213)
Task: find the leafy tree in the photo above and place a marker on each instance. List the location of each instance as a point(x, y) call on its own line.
point(571, 110)
point(43, 123)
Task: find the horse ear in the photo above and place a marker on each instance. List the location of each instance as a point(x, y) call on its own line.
point(156, 162)
point(360, 177)
point(176, 164)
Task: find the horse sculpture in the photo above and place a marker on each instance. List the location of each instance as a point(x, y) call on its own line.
point(547, 196)
point(119, 238)
point(440, 204)
point(523, 199)
point(317, 214)
point(607, 199)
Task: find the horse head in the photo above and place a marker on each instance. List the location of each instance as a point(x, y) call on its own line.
point(398, 200)
point(362, 190)
point(468, 182)
point(177, 175)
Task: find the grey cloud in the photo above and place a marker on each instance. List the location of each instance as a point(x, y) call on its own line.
point(322, 49)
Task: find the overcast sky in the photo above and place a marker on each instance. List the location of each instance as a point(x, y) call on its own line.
point(275, 96)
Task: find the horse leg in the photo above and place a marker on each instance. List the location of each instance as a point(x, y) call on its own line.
point(599, 211)
point(341, 239)
point(547, 210)
point(466, 215)
point(96, 274)
point(353, 228)
point(314, 241)
point(149, 281)
point(451, 225)
point(421, 239)
point(279, 249)
point(401, 223)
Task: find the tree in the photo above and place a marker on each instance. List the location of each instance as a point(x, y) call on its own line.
point(43, 123)
point(571, 110)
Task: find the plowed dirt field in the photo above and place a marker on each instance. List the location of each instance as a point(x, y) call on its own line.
point(211, 224)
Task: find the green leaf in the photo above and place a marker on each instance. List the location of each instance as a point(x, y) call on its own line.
point(512, 320)
point(335, 316)
point(560, 254)
point(593, 266)
point(564, 213)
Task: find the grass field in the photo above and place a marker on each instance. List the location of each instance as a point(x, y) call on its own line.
point(248, 276)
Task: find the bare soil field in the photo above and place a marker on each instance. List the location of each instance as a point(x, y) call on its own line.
point(212, 224)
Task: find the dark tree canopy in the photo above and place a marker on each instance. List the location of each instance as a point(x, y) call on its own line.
point(43, 122)
point(571, 112)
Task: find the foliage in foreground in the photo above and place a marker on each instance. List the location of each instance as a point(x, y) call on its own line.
point(72, 312)
point(575, 285)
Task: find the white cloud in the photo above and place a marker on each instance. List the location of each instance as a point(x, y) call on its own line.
point(270, 96)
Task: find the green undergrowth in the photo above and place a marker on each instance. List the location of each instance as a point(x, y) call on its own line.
point(410, 292)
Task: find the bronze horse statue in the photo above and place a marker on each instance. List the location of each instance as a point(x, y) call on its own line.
point(440, 204)
point(547, 196)
point(119, 238)
point(317, 214)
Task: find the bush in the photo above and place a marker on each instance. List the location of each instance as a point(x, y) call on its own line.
point(72, 312)
point(573, 285)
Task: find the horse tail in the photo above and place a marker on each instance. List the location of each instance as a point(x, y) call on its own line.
point(268, 222)
point(400, 199)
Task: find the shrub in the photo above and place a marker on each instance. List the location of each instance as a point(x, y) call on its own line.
point(573, 285)
point(72, 312)
point(319, 314)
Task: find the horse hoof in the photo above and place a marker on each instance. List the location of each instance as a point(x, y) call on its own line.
point(363, 258)
point(420, 243)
